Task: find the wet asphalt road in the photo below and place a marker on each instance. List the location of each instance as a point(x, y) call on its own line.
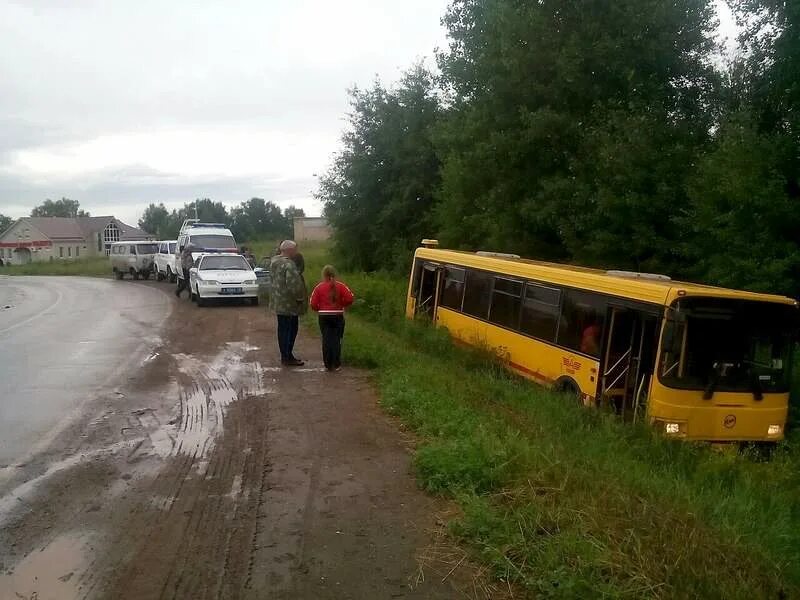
point(63, 340)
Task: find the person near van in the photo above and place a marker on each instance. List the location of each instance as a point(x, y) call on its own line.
point(288, 299)
point(330, 298)
point(186, 264)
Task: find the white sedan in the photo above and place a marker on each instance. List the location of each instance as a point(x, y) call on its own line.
point(222, 275)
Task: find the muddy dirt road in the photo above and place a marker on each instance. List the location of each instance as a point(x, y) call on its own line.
point(208, 471)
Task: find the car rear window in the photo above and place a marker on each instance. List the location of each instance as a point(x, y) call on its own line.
point(233, 263)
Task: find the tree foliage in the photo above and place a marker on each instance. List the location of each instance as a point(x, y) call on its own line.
point(604, 133)
point(378, 194)
point(254, 219)
point(5, 222)
point(59, 208)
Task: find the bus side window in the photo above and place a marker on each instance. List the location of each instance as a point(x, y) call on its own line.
point(540, 312)
point(506, 302)
point(583, 319)
point(477, 294)
point(453, 291)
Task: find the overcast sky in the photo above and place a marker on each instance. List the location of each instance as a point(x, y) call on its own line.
point(120, 104)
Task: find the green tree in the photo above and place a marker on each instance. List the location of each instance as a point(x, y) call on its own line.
point(158, 221)
point(59, 208)
point(378, 194)
point(291, 211)
point(5, 222)
point(542, 151)
point(207, 211)
point(744, 228)
point(257, 219)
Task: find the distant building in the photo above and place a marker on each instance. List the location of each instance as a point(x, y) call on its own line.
point(311, 229)
point(37, 239)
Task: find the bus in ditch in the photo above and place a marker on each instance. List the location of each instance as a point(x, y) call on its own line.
point(698, 362)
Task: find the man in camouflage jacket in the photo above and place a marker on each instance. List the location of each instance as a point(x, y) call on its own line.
point(288, 299)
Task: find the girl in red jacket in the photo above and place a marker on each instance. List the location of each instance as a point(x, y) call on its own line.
point(329, 299)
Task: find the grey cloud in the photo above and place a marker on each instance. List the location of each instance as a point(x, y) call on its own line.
point(125, 192)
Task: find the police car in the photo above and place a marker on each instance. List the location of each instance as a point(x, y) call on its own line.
point(222, 275)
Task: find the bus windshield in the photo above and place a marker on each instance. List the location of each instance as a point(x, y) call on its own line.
point(724, 345)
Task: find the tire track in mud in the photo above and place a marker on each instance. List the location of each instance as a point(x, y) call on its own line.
point(199, 489)
point(236, 478)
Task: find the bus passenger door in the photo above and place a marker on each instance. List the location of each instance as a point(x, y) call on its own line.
point(428, 291)
point(628, 360)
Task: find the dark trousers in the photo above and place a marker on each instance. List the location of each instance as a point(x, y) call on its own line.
point(332, 328)
point(287, 334)
point(183, 284)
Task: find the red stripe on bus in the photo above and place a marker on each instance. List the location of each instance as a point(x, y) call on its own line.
point(531, 372)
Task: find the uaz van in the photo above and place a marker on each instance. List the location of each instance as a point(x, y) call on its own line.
point(132, 258)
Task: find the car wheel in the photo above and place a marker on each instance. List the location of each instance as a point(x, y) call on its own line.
point(254, 301)
point(135, 274)
point(159, 275)
point(118, 274)
point(200, 300)
point(170, 275)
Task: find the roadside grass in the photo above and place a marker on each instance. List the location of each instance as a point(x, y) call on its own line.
point(98, 266)
point(567, 502)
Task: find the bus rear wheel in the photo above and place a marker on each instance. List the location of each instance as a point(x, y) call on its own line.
point(569, 388)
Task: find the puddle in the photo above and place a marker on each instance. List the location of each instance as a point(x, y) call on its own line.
point(236, 487)
point(50, 573)
point(228, 365)
point(216, 384)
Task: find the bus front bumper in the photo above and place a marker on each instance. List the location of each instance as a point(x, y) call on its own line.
point(715, 423)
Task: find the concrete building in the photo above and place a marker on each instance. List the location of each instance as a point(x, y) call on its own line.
point(36, 239)
point(311, 229)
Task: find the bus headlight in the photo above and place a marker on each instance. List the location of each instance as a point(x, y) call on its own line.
point(672, 427)
point(774, 430)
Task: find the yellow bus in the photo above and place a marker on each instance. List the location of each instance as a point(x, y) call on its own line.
point(698, 362)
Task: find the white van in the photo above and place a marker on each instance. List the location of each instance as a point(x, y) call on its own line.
point(133, 258)
point(204, 237)
point(164, 265)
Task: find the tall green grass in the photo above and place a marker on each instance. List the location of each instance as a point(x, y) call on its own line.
point(567, 502)
point(92, 267)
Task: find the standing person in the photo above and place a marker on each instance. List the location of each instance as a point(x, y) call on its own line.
point(186, 264)
point(288, 299)
point(329, 299)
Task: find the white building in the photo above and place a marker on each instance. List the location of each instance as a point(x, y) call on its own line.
point(36, 239)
